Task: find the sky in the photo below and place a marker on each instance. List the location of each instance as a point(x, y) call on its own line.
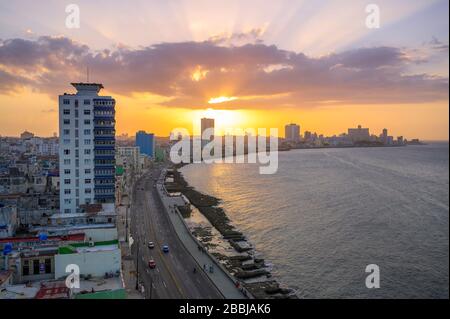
point(248, 64)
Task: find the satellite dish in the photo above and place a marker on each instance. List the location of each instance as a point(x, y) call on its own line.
point(7, 249)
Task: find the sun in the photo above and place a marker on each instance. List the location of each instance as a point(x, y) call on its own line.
point(223, 119)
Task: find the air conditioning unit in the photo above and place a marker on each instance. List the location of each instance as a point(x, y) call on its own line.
point(91, 244)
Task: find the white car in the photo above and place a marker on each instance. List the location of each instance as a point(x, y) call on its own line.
point(151, 245)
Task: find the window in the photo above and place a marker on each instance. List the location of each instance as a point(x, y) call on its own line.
point(87, 171)
point(26, 268)
point(87, 122)
point(87, 112)
point(67, 191)
point(67, 181)
point(67, 211)
point(36, 267)
point(67, 152)
point(67, 171)
point(87, 152)
point(87, 102)
point(66, 141)
point(66, 161)
point(48, 266)
point(66, 132)
point(66, 112)
point(87, 181)
point(87, 142)
point(67, 201)
point(66, 101)
point(87, 190)
point(87, 132)
point(87, 161)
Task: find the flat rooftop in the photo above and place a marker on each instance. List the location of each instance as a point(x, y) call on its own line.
point(75, 84)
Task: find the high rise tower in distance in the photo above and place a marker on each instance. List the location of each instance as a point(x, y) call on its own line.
point(86, 147)
point(146, 143)
point(205, 124)
point(292, 132)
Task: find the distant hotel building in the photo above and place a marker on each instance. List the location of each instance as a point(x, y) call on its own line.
point(206, 124)
point(359, 134)
point(26, 135)
point(146, 143)
point(87, 147)
point(292, 132)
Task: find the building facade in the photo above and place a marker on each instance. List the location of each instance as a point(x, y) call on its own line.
point(86, 147)
point(292, 132)
point(359, 134)
point(146, 143)
point(205, 124)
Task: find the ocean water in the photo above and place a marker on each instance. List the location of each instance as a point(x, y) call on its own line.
point(328, 213)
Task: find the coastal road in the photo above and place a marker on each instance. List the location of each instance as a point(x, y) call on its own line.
point(173, 277)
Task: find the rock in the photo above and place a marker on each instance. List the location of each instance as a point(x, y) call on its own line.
point(250, 274)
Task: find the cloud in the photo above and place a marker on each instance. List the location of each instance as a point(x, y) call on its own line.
point(438, 45)
point(49, 110)
point(239, 38)
point(260, 75)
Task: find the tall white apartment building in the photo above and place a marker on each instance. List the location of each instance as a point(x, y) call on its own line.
point(86, 147)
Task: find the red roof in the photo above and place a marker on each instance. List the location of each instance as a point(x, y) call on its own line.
point(71, 237)
point(53, 290)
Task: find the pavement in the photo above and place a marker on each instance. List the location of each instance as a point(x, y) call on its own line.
point(219, 276)
point(174, 276)
point(128, 265)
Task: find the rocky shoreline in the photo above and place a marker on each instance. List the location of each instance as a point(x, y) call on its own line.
point(244, 265)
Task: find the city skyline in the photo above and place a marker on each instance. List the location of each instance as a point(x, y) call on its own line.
point(242, 150)
point(260, 69)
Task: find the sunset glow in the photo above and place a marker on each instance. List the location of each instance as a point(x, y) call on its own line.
point(282, 67)
point(221, 99)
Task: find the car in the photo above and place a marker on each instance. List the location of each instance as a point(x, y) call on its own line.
point(151, 264)
point(151, 245)
point(165, 249)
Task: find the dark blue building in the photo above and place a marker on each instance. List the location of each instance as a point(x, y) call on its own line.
point(146, 143)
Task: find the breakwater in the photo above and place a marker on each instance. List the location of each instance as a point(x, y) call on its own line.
point(244, 265)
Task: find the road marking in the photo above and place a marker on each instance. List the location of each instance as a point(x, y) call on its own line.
point(164, 283)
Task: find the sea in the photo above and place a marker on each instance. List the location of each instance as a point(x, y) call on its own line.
point(327, 214)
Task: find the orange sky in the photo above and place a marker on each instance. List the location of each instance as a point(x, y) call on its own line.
point(314, 63)
point(427, 121)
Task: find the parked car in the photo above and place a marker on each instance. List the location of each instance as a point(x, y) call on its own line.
point(151, 245)
point(165, 249)
point(151, 264)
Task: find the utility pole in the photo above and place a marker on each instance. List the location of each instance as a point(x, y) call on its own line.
point(126, 223)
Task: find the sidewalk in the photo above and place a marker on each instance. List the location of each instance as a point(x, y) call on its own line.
point(128, 267)
point(220, 277)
